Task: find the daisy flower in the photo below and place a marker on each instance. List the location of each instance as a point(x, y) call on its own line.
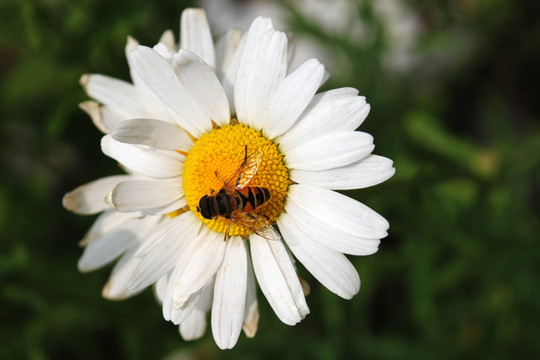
point(236, 166)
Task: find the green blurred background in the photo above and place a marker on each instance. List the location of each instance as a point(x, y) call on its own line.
point(453, 90)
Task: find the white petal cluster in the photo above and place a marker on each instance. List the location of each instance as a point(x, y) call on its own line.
point(181, 92)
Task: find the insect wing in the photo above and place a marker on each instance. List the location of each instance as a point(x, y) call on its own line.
point(245, 172)
point(256, 224)
point(268, 232)
point(250, 169)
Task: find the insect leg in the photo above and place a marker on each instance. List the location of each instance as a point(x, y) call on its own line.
point(243, 164)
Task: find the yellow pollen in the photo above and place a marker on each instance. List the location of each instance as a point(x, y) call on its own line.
point(222, 150)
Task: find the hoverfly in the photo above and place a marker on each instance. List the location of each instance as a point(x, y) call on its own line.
point(236, 201)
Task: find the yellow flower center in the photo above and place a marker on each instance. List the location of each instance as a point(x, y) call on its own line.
point(216, 156)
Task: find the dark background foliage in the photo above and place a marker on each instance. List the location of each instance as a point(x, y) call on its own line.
point(456, 278)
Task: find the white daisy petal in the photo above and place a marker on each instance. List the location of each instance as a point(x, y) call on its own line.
point(291, 98)
point(109, 118)
point(201, 82)
point(267, 73)
point(291, 49)
point(163, 227)
point(167, 39)
point(177, 310)
point(330, 267)
point(160, 76)
point(201, 266)
point(105, 223)
point(286, 264)
point(161, 259)
point(162, 50)
point(278, 280)
point(93, 109)
point(155, 133)
point(325, 78)
point(103, 117)
point(338, 211)
point(247, 61)
point(232, 45)
point(116, 287)
point(251, 311)
point(226, 51)
point(262, 68)
point(166, 209)
point(195, 35)
point(181, 313)
point(369, 171)
point(150, 162)
point(195, 325)
point(230, 294)
point(90, 198)
point(110, 245)
point(330, 151)
point(160, 287)
point(119, 95)
point(331, 111)
point(131, 44)
point(140, 195)
point(106, 249)
point(328, 236)
point(151, 103)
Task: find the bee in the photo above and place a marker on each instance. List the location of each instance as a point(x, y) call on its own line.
point(236, 201)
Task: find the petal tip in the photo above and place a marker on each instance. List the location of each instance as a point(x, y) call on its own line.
point(84, 80)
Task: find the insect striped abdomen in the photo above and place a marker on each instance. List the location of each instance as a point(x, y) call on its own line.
point(250, 198)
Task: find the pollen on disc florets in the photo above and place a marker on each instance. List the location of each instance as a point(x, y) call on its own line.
point(222, 150)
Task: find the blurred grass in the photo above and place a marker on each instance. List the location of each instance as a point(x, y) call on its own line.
point(456, 278)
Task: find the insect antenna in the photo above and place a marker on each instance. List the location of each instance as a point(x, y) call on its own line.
point(223, 180)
